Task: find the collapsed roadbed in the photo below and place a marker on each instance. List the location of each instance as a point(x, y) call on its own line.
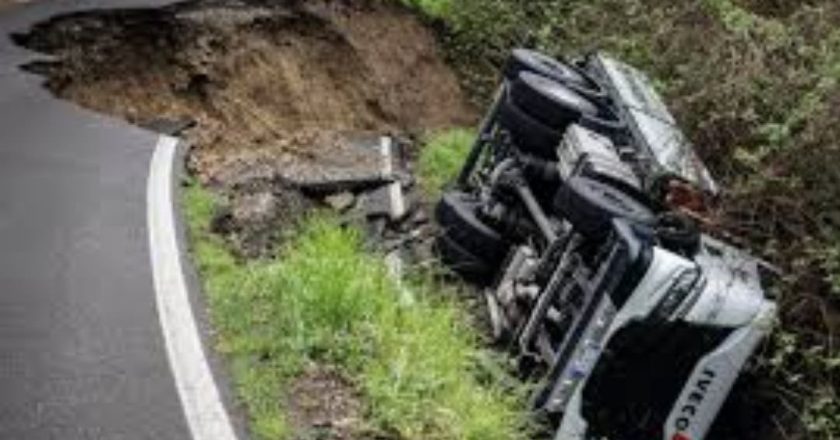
point(278, 93)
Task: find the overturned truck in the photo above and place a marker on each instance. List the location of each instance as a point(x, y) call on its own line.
point(579, 212)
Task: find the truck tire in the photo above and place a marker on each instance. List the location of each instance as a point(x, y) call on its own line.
point(591, 205)
point(528, 134)
point(463, 262)
point(456, 215)
point(549, 101)
point(525, 60)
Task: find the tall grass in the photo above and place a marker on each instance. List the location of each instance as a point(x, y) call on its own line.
point(441, 158)
point(327, 301)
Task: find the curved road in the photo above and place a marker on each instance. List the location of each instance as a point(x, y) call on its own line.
point(97, 336)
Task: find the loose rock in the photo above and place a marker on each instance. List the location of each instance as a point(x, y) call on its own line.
point(341, 202)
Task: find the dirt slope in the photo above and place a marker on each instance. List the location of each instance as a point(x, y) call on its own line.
point(270, 83)
point(5, 4)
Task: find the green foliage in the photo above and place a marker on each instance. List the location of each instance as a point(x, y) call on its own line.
point(326, 301)
point(821, 415)
point(442, 157)
point(746, 24)
point(432, 8)
point(828, 257)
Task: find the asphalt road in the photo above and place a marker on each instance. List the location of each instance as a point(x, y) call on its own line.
point(82, 352)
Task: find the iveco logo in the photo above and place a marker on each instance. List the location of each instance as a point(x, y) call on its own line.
point(692, 404)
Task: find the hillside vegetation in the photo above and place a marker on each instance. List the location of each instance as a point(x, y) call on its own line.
point(756, 85)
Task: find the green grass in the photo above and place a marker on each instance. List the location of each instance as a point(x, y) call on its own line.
point(431, 8)
point(327, 301)
point(442, 157)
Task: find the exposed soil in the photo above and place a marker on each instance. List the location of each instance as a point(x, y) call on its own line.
point(323, 405)
point(265, 80)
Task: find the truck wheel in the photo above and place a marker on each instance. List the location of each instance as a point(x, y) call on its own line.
point(550, 101)
point(525, 60)
point(456, 215)
point(529, 134)
point(463, 262)
point(591, 205)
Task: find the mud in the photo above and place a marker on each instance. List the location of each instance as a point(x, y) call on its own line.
point(322, 404)
point(271, 84)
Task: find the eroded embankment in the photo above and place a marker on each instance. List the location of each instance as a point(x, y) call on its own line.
point(279, 91)
point(272, 84)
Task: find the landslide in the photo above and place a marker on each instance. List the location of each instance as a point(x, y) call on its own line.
point(273, 86)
